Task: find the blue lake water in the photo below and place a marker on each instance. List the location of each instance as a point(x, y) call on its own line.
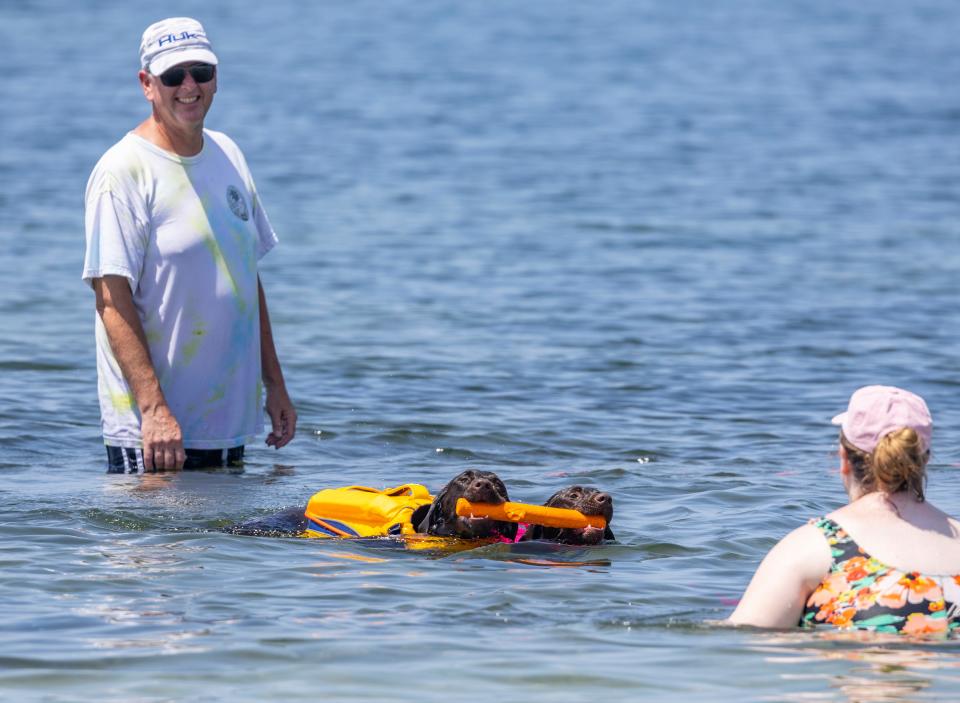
point(648, 246)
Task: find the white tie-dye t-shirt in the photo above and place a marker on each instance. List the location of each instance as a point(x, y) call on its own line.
point(187, 233)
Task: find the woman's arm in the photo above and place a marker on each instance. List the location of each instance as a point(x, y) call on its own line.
point(784, 580)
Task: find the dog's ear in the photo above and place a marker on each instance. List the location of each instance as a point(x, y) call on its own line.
point(499, 486)
point(442, 514)
point(551, 502)
point(433, 516)
point(435, 522)
point(418, 517)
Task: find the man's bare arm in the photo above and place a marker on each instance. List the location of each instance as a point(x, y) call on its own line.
point(162, 437)
point(283, 415)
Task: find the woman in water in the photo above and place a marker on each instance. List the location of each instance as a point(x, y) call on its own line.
point(887, 561)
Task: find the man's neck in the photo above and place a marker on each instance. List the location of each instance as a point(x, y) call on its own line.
point(182, 143)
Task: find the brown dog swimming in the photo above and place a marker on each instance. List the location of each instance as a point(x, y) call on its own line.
point(589, 501)
point(438, 518)
point(442, 520)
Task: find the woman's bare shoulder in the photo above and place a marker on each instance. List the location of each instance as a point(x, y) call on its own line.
point(917, 537)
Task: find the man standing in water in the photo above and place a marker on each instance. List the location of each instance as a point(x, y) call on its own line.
point(174, 231)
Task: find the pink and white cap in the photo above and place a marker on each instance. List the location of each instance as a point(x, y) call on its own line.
point(173, 41)
point(876, 411)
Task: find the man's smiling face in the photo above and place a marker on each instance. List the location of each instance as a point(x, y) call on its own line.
point(182, 107)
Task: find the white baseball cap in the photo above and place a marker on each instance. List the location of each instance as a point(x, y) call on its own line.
point(174, 40)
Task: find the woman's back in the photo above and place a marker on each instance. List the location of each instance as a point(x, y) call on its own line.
point(893, 568)
point(904, 533)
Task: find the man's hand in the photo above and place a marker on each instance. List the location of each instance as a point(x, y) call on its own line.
point(283, 416)
point(162, 441)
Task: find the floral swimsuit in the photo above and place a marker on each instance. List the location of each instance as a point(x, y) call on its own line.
point(863, 593)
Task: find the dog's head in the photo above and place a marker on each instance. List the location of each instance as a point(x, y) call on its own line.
point(478, 487)
point(588, 501)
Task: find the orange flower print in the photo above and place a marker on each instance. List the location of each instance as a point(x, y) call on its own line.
point(856, 574)
point(842, 618)
point(831, 586)
point(920, 588)
point(920, 624)
point(824, 614)
point(865, 598)
point(894, 597)
point(889, 592)
point(855, 569)
point(819, 598)
point(937, 605)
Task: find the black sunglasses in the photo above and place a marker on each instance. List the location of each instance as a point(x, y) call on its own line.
point(201, 73)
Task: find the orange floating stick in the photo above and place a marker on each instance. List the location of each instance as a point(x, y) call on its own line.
point(533, 514)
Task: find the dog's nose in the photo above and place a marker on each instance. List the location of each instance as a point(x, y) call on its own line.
point(482, 484)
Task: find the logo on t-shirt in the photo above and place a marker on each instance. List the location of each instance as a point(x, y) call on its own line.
point(238, 206)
